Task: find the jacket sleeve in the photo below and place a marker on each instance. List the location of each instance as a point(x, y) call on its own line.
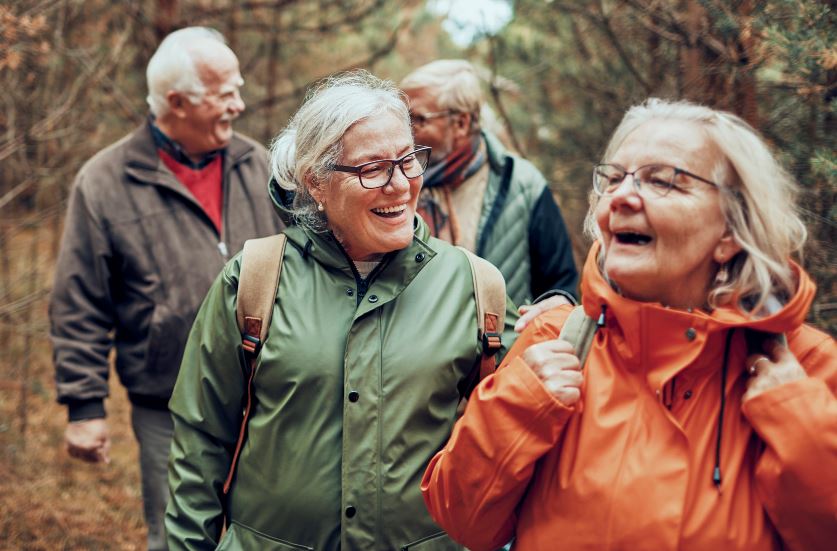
point(796, 476)
point(550, 249)
point(81, 310)
point(206, 408)
point(472, 487)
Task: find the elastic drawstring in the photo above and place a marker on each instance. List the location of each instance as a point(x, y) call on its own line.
point(716, 472)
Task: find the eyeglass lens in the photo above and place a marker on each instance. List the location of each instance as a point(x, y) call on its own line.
point(379, 173)
point(655, 179)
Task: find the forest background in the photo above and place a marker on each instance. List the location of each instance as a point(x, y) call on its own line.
point(559, 76)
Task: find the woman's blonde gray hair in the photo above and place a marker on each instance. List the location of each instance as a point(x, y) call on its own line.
point(758, 199)
point(302, 155)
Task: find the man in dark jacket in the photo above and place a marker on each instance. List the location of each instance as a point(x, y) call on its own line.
point(151, 221)
point(479, 195)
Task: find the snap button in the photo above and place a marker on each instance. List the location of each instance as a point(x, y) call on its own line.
point(350, 511)
point(420, 257)
point(691, 333)
point(373, 298)
point(354, 396)
point(350, 292)
point(687, 394)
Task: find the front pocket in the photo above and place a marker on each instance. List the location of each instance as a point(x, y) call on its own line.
point(240, 537)
point(439, 541)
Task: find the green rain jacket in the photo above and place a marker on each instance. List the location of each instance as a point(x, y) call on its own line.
point(357, 387)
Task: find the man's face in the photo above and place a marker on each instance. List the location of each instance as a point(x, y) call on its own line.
point(208, 124)
point(436, 131)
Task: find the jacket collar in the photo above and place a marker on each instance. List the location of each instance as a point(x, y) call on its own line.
point(388, 280)
point(497, 154)
point(144, 165)
point(650, 334)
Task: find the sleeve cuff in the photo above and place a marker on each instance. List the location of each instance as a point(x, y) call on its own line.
point(82, 410)
point(557, 292)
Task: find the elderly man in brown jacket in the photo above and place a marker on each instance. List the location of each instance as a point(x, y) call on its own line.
point(151, 221)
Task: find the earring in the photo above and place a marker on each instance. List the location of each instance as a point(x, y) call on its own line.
point(722, 276)
point(320, 207)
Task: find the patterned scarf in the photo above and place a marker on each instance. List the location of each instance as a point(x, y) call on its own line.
point(440, 180)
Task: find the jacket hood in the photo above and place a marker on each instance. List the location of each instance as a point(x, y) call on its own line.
point(282, 199)
point(638, 321)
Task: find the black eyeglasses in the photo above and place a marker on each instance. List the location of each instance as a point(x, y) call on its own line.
point(657, 180)
point(421, 119)
point(375, 174)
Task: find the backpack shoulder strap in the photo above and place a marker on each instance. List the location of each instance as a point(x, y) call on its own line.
point(261, 267)
point(490, 295)
point(258, 282)
point(579, 330)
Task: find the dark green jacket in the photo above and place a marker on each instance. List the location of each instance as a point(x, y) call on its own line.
point(356, 389)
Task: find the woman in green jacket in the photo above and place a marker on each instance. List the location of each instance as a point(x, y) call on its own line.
point(371, 347)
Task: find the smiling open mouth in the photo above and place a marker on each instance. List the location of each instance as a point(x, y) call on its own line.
point(390, 212)
point(631, 238)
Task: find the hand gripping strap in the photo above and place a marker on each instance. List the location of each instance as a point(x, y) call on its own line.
point(490, 296)
point(258, 282)
point(579, 330)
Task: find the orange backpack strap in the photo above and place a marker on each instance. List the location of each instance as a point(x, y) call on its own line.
point(490, 296)
point(258, 282)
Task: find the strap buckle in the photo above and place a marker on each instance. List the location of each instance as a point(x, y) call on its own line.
point(491, 343)
point(250, 343)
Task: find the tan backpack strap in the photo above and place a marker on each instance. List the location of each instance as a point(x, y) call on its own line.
point(490, 296)
point(261, 266)
point(579, 330)
point(258, 282)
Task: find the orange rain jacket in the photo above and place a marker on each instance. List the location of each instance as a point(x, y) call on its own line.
point(631, 466)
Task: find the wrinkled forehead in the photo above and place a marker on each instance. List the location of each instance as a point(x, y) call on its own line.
point(684, 144)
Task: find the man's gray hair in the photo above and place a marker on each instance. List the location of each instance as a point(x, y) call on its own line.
point(455, 81)
point(302, 155)
point(758, 199)
point(173, 67)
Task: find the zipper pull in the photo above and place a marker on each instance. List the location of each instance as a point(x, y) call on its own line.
point(222, 248)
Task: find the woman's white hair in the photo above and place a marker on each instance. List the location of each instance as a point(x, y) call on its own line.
point(172, 67)
point(302, 155)
point(455, 83)
point(758, 199)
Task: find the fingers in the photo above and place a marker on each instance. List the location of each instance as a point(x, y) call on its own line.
point(556, 365)
point(88, 440)
point(529, 312)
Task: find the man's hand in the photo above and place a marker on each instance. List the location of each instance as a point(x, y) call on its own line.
point(528, 312)
point(88, 440)
point(776, 367)
point(556, 364)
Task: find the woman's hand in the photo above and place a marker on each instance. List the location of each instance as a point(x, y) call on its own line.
point(555, 363)
point(528, 312)
point(776, 367)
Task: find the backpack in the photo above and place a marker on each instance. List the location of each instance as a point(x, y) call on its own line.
point(258, 283)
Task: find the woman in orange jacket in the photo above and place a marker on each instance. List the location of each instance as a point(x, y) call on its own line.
point(683, 430)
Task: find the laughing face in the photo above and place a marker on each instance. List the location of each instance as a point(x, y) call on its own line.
point(372, 222)
point(665, 249)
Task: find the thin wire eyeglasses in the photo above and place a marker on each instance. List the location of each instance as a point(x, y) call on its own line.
point(657, 179)
point(421, 119)
point(376, 174)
